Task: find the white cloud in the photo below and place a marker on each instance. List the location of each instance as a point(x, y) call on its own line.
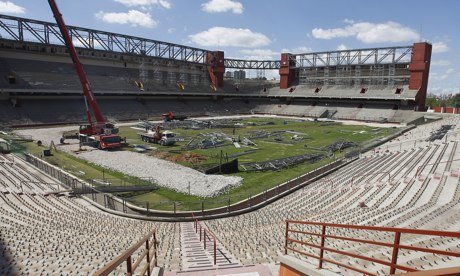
point(215, 6)
point(342, 47)
point(171, 30)
point(259, 54)
point(367, 32)
point(440, 47)
point(221, 36)
point(441, 62)
point(297, 50)
point(145, 3)
point(436, 77)
point(133, 17)
point(450, 71)
point(10, 7)
point(440, 90)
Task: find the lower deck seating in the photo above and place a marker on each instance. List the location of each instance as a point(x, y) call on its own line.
point(407, 182)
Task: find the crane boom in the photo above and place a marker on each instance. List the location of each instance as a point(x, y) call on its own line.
point(87, 91)
point(102, 135)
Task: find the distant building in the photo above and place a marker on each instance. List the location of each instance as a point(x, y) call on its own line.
point(239, 74)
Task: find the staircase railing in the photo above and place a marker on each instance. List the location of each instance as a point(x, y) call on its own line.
point(306, 238)
point(149, 254)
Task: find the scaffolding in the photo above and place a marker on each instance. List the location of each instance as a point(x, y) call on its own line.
point(363, 67)
point(143, 72)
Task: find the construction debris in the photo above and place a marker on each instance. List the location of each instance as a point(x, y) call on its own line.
point(277, 164)
point(248, 142)
point(242, 153)
point(340, 145)
point(439, 133)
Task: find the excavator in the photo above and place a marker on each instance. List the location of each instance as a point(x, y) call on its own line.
point(100, 134)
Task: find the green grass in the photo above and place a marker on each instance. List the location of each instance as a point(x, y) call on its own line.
point(316, 136)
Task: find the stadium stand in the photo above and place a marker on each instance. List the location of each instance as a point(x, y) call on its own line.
point(35, 72)
point(400, 185)
point(411, 181)
point(45, 231)
point(408, 182)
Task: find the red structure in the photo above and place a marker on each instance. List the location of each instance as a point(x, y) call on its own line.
point(104, 133)
point(419, 70)
point(216, 67)
point(143, 253)
point(297, 238)
point(287, 73)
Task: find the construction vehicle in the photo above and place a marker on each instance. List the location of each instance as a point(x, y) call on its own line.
point(166, 138)
point(100, 134)
point(170, 116)
point(48, 152)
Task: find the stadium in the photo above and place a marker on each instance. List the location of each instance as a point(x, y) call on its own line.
point(128, 155)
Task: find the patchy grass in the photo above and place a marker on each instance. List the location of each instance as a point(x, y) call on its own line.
point(315, 136)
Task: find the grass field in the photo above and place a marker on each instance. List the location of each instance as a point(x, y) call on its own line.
point(310, 137)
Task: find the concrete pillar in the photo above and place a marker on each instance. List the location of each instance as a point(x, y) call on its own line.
point(419, 69)
point(287, 74)
point(216, 67)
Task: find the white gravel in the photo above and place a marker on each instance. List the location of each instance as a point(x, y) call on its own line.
point(166, 173)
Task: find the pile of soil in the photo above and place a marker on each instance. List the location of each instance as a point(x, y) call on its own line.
point(189, 157)
point(161, 154)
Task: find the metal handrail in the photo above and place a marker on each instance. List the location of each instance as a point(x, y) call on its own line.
point(127, 257)
point(205, 230)
point(395, 245)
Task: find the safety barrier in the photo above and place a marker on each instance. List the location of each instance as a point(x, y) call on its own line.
point(149, 254)
point(396, 245)
point(120, 205)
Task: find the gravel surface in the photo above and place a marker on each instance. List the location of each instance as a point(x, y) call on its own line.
point(166, 173)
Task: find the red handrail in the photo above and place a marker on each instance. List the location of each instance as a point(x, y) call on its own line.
point(206, 232)
point(395, 245)
point(150, 255)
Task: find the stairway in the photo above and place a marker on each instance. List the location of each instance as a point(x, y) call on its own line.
point(195, 257)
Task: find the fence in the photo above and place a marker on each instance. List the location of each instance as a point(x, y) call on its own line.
point(202, 208)
point(149, 254)
point(395, 246)
point(252, 201)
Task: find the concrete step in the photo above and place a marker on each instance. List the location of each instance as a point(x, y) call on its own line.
point(195, 257)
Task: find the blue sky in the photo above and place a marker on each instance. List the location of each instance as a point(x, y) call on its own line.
point(262, 29)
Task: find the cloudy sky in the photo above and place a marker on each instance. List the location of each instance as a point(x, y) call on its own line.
point(262, 29)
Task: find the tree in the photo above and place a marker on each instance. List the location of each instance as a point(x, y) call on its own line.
point(431, 100)
point(455, 100)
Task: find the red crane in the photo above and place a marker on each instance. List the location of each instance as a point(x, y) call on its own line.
point(103, 134)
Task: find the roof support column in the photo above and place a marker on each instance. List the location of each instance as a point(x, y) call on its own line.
point(419, 69)
point(216, 67)
point(287, 74)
